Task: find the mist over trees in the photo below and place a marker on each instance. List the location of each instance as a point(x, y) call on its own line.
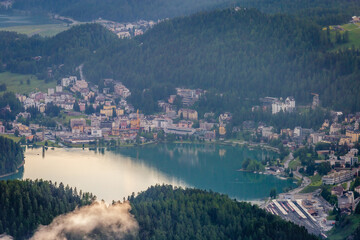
point(24, 205)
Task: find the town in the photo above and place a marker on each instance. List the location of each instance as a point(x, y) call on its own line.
point(83, 115)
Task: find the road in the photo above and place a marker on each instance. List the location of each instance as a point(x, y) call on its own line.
point(288, 160)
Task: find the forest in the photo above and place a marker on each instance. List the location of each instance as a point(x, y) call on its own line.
point(164, 212)
point(322, 11)
point(11, 155)
point(120, 10)
point(24, 205)
point(51, 58)
point(238, 56)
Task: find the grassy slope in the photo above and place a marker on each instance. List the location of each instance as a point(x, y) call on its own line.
point(12, 137)
point(315, 184)
point(354, 36)
point(46, 30)
point(13, 83)
point(339, 233)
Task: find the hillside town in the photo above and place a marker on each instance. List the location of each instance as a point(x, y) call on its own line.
point(127, 30)
point(87, 115)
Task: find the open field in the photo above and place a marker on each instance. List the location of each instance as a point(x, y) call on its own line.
point(354, 36)
point(315, 184)
point(46, 30)
point(12, 137)
point(294, 164)
point(18, 83)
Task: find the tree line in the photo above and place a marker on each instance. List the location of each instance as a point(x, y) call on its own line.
point(11, 155)
point(24, 205)
point(164, 212)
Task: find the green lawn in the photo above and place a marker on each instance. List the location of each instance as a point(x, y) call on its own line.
point(12, 137)
point(294, 164)
point(346, 228)
point(17, 83)
point(46, 30)
point(354, 36)
point(65, 119)
point(315, 184)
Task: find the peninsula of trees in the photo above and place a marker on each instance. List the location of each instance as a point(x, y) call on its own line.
point(11, 156)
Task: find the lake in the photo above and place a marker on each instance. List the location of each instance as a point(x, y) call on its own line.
point(18, 19)
point(115, 174)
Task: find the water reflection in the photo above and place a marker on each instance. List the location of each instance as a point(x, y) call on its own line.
point(115, 174)
point(210, 167)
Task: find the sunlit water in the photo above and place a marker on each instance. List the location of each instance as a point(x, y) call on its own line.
point(115, 174)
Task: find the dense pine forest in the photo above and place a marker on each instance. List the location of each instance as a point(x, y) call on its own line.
point(167, 213)
point(237, 55)
point(242, 55)
point(62, 53)
point(322, 11)
point(24, 205)
point(162, 213)
point(11, 155)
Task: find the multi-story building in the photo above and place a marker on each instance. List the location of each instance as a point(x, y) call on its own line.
point(188, 114)
point(338, 177)
point(77, 122)
point(354, 134)
point(287, 106)
point(346, 201)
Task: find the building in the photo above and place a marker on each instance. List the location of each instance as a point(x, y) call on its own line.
point(51, 91)
point(59, 89)
point(222, 130)
point(337, 190)
point(298, 132)
point(346, 201)
point(287, 106)
point(338, 177)
point(357, 189)
point(96, 132)
point(179, 131)
point(65, 82)
point(316, 101)
point(185, 124)
point(77, 122)
point(108, 111)
point(81, 84)
point(335, 128)
point(2, 128)
point(354, 134)
point(188, 114)
point(82, 107)
point(266, 131)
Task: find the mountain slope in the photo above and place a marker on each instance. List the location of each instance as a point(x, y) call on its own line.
point(61, 53)
point(323, 11)
point(241, 54)
point(120, 10)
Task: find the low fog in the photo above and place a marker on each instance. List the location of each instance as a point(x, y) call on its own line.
point(97, 221)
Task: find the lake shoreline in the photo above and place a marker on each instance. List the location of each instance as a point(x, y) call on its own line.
point(13, 173)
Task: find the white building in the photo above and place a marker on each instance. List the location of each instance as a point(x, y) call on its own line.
point(96, 132)
point(51, 91)
point(338, 177)
point(297, 131)
point(287, 106)
point(59, 89)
